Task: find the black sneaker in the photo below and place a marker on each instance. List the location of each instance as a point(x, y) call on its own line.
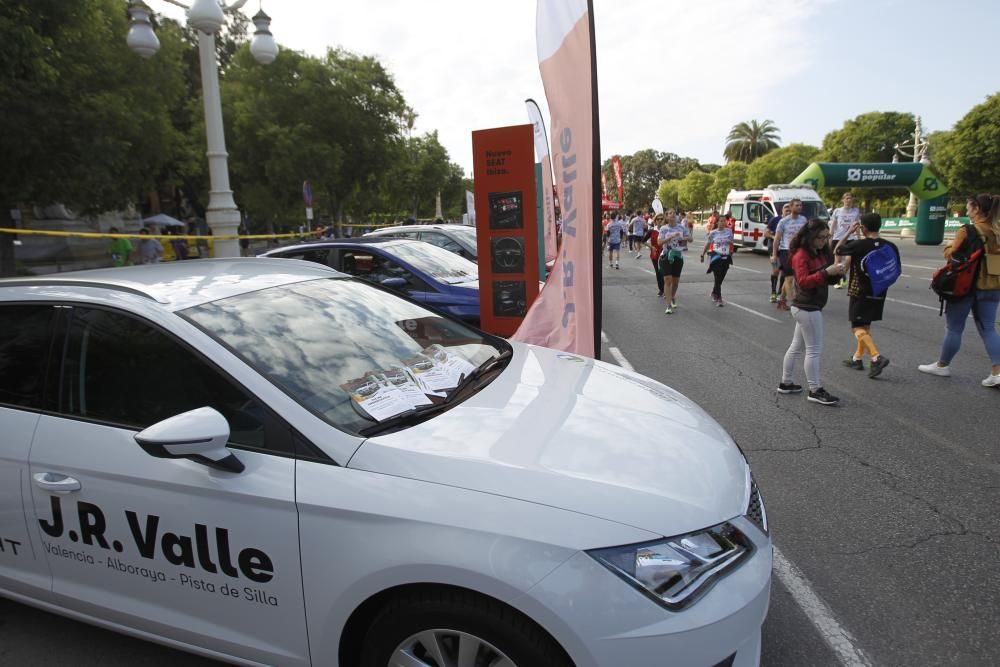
point(856, 364)
point(789, 388)
point(823, 397)
point(878, 365)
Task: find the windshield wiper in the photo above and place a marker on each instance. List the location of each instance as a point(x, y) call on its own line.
point(418, 415)
point(490, 364)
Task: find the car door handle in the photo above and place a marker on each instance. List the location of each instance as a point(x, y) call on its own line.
point(56, 482)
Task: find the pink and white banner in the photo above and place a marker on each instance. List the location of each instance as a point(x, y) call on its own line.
point(548, 220)
point(563, 315)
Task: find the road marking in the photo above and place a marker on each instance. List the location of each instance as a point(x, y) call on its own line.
point(604, 337)
point(754, 312)
point(917, 266)
point(743, 268)
point(844, 646)
point(839, 640)
point(910, 303)
point(903, 275)
point(620, 358)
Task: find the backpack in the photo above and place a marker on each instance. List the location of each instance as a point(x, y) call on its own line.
point(882, 267)
point(957, 279)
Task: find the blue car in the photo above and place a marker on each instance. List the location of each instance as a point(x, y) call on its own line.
point(426, 273)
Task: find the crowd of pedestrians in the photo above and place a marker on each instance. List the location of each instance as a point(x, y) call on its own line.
point(808, 256)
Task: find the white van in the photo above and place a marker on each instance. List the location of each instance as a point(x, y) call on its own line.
point(753, 208)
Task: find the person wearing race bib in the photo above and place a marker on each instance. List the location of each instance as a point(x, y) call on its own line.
point(840, 223)
point(720, 257)
point(671, 238)
point(772, 226)
point(654, 248)
point(638, 232)
point(616, 230)
point(865, 306)
point(783, 235)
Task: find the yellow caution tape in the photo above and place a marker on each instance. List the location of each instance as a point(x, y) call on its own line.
point(187, 237)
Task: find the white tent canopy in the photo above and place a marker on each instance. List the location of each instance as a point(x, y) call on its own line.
point(163, 219)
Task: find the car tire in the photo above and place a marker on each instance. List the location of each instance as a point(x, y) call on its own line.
point(459, 612)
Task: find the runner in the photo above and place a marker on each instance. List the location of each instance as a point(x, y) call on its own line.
point(671, 258)
point(786, 230)
point(682, 220)
point(813, 272)
point(840, 221)
point(865, 306)
point(616, 230)
point(776, 274)
point(638, 232)
point(720, 257)
point(605, 221)
point(653, 234)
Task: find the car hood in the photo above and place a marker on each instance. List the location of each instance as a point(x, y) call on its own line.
point(578, 434)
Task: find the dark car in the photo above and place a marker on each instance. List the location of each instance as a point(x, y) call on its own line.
point(459, 239)
point(426, 273)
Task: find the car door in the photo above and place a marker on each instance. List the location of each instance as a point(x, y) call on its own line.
point(378, 268)
point(25, 339)
point(170, 547)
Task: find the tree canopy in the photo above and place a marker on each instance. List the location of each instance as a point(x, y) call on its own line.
point(748, 141)
point(968, 157)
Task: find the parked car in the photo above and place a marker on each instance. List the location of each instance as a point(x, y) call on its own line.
point(459, 239)
point(423, 272)
point(268, 462)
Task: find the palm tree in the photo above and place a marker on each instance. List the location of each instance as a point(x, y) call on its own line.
point(748, 141)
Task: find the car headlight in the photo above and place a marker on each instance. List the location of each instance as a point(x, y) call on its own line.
point(677, 571)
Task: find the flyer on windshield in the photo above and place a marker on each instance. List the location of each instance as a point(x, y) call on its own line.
point(378, 398)
point(456, 366)
point(432, 378)
point(401, 380)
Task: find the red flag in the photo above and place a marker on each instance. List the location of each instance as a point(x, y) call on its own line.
point(616, 164)
point(604, 186)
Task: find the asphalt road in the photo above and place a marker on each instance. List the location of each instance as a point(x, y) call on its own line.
point(885, 508)
point(888, 504)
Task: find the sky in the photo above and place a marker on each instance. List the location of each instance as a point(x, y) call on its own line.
point(672, 76)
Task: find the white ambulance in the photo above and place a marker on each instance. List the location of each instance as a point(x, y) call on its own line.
point(753, 208)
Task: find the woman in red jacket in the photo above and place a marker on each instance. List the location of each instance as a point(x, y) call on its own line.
point(814, 272)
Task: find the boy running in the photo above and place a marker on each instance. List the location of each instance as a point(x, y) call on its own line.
point(865, 307)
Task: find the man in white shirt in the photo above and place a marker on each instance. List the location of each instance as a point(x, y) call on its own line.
point(783, 235)
point(840, 222)
point(636, 230)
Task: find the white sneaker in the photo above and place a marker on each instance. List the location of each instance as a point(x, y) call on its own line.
point(992, 381)
point(934, 369)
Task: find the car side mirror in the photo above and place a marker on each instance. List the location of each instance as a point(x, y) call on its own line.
point(394, 283)
point(200, 435)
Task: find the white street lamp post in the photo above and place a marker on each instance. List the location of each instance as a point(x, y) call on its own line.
point(207, 18)
point(919, 146)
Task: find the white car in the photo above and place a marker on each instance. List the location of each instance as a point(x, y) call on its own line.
point(265, 462)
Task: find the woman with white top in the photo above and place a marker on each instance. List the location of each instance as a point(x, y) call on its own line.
point(671, 239)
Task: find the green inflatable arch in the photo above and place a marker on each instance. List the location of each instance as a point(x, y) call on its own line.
point(914, 176)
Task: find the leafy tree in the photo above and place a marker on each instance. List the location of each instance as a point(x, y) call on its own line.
point(870, 137)
point(968, 157)
point(335, 121)
point(748, 141)
point(86, 122)
point(642, 173)
point(669, 193)
point(695, 190)
point(733, 176)
point(781, 165)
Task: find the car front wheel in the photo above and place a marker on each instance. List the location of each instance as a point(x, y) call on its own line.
point(456, 628)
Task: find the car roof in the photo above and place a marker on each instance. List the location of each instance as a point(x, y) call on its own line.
point(182, 284)
point(417, 228)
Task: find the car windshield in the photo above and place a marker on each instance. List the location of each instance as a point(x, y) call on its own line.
point(440, 263)
point(810, 209)
point(351, 353)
